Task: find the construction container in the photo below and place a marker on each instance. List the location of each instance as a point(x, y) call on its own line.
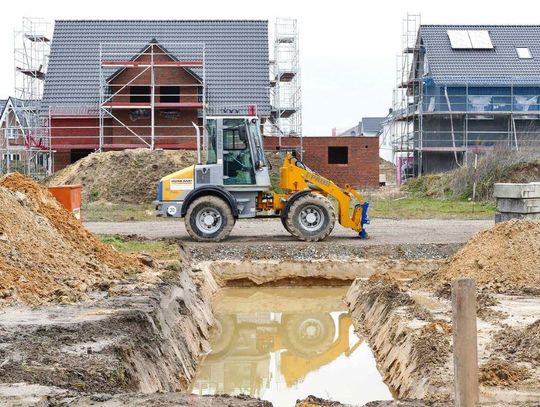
point(70, 198)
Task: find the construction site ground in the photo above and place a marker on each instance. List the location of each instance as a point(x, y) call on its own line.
point(381, 231)
point(109, 335)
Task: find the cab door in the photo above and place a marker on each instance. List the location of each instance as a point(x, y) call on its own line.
point(238, 166)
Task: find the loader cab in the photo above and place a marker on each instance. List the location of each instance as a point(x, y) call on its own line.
point(227, 182)
point(234, 146)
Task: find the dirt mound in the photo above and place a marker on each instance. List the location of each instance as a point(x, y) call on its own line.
point(502, 373)
point(388, 169)
point(312, 401)
point(45, 253)
point(520, 345)
point(504, 259)
point(458, 183)
point(128, 176)
point(131, 176)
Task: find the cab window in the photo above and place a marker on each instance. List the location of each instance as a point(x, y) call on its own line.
point(237, 161)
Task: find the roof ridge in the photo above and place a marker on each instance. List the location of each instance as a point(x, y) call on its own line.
point(481, 25)
point(159, 21)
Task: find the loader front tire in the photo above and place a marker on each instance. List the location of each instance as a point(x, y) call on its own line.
point(311, 218)
point(209, 219)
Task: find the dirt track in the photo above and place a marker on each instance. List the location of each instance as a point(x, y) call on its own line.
point(381, 231)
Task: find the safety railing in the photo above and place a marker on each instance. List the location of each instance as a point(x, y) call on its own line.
point(447, 140)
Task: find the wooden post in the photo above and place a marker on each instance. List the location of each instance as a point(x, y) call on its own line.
point(465, 342)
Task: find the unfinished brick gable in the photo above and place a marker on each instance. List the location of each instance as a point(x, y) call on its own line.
point(173, 121)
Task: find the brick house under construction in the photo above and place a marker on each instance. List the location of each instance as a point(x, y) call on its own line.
point(124, 84)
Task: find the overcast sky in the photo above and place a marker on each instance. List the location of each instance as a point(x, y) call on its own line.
point(347, 48)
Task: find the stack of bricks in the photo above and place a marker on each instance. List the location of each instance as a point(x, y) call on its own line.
point(517, 201)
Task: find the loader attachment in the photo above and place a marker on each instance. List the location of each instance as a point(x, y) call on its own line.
point(296, 179)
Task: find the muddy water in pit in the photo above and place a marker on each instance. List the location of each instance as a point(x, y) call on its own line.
point(283, 344)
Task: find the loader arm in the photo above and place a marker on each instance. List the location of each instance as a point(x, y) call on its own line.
point(352, 208)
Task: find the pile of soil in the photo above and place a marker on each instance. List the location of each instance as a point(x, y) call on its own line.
point(502, 373)
point(312, 401)
point(519, 344)
point(131, 176)
point(458, 183)
point(45, 253)
point(503, 259)
point(389, 170)
point(128, 176)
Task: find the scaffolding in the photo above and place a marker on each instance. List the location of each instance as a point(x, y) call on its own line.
point(285, 83)
point(24, 138)
point(405, 91)
point(139, 105)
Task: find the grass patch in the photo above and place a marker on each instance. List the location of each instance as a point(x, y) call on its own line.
point(107, 212)
point(158, 249)
point(429, 208)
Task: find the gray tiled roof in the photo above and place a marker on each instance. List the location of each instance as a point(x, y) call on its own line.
point(236, 57)
point(2, 105)
point(500, 65)
point(372, 124)
point(23, 109)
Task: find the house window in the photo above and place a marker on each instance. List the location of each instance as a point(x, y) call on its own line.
point(11, 133)
point(140, 94)
point(523, 53)
point(11, 157)
point(338, 155)
point(169, 94)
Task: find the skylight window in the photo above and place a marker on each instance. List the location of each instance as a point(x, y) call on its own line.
point(523, 53)
point(470, 39)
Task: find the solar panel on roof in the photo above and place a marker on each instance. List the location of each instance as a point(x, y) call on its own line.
point(480, 39)
point(459, 39)
point(470, 39)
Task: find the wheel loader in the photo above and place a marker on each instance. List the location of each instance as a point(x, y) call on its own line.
point(233, 182)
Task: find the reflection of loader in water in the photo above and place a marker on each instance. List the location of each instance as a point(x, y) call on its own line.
point(296, 365)
point(243, 346)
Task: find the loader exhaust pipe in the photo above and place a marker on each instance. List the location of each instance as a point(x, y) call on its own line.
point(198, 131)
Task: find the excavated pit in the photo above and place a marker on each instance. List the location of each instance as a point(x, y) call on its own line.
point(152, 338)
point(161, 337)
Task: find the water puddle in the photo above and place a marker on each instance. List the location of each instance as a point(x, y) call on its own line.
point(283, 344)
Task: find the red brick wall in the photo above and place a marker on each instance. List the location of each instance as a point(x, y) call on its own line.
point(362, 170)
point(61, 160)
point(168, 130)
point(73, 132)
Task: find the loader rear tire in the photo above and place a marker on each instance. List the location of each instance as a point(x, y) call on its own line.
point(209, 219)
point(311, 218)
point(284, 223)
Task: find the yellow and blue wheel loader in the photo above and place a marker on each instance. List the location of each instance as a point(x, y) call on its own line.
point(231, 181)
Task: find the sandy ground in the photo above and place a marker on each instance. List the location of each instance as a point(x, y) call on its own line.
point(381, 231)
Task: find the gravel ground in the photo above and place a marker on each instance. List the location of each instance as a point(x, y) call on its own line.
point(381, 231)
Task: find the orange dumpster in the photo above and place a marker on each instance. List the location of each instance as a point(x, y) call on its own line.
point(70, 198)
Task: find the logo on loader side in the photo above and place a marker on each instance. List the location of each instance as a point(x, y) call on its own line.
point(317, 178)
point(181, 184)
